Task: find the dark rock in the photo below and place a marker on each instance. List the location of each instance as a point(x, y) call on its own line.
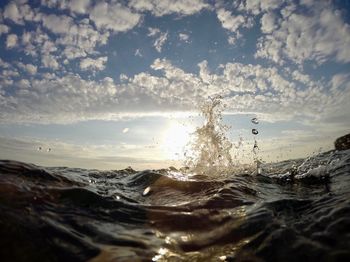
point(342, 143)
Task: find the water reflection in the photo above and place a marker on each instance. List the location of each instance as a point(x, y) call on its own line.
point(197, 220)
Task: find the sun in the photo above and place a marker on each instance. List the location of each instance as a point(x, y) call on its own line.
point(174, 140)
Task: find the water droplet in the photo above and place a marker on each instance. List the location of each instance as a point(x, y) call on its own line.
point(255, 147)
point(255, 121)
point(146, 191)
point(48, 150)
point(39, 148)
point(255, 131)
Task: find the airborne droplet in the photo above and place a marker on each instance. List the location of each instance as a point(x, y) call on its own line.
point(255, 131)
point(146, 191)
point(255, 120)
point(256, 147)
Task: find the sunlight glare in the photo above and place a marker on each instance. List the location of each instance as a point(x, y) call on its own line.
point(175, 138)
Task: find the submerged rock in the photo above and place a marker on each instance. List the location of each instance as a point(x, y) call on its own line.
point(342, 143)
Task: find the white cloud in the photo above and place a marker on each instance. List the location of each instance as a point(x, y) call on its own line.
point(77, 38)
point(303, 78)
point(160, 41)
point(263, 91)
point(229, 21)
point(233, 23)
point(57, 24)
point(26, 37)
point(50, 3)
point(31, 69)
point(11, 41)
point(268, 23)
point(19, 12)
point(258, 6)
point(93, 64)
point(320, 35)
point(138, 53)
point(114, 17)
point(339, 80)
point(4, 64)
point(81, 40)
point(49, 61)
point(48, 47)
point(61, 99)
point(184, 37)
point(11, 12)
point(166, 7)
point(78, 6)
point(33, 41)
point(4, 29)
point(5, 82)
point(123, 77)
point(153, 31)
point(9, 73)
point(23, 83)
point(232, 40)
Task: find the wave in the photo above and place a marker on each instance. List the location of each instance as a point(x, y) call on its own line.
point(297, 209)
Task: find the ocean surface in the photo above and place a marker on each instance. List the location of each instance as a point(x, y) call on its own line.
point(296, 210)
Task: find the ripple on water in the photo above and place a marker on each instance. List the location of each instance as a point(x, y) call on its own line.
point(160, 215)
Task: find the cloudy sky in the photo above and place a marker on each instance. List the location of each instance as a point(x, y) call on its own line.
point(110, 84)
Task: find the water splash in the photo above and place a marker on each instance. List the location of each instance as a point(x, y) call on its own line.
point(210, 149)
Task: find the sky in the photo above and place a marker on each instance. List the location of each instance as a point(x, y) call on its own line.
point(112, 84)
